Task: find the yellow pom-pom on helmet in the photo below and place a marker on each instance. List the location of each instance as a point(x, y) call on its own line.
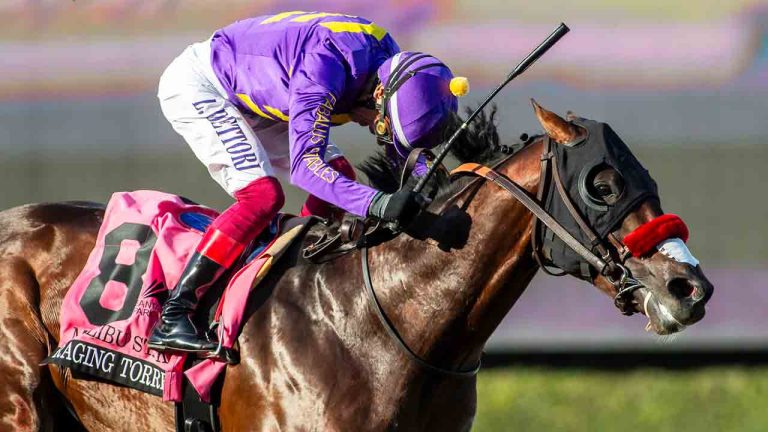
point(459, 86)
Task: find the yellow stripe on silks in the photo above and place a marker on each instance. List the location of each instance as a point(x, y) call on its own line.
point(276, 112)
point(310, 17)
point(252, 105)
point(339, 119)
point(281, 16)
point(353, 27)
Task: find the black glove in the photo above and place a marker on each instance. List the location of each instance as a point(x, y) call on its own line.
point(401, 207)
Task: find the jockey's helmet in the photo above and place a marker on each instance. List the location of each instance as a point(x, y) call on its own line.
point(417, 98)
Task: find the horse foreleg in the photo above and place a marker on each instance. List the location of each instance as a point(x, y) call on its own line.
point(25, 399)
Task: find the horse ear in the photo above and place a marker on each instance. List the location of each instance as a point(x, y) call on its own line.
point(556, 127)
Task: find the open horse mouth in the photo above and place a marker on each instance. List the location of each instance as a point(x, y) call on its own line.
point(662, 319)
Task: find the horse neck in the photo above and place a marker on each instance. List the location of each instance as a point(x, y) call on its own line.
point(449, 303)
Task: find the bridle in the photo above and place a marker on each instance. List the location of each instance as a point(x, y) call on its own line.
point(605, 255)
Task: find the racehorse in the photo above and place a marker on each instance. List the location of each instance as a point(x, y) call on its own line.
point(314, 355)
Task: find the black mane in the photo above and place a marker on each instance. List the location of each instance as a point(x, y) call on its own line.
point(480, 144)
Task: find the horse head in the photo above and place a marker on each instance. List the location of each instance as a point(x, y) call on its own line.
point(618, 199)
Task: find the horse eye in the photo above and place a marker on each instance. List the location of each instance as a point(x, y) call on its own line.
point(603, 189)
point(609, 186)
point(601, 186)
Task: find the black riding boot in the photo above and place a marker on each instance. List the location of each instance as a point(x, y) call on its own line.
point(175, 331)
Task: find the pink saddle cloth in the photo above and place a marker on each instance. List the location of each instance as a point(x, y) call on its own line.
point(106, 316)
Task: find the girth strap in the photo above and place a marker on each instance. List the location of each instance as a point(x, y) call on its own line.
point(525, 199)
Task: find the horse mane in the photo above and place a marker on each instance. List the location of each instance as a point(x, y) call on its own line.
point(480, 144)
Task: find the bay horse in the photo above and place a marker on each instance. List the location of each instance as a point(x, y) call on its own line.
point(314, 355)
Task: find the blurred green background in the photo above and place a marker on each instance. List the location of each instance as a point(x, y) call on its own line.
point(539, 399)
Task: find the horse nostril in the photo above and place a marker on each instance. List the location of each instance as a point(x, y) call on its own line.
point(682, 288)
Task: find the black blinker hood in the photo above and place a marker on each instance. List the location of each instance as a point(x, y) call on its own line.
point(574, 162)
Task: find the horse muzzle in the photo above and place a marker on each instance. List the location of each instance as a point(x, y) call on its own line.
point(681, 304)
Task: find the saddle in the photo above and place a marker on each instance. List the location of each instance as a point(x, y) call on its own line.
point(331, 239)
point(321, 240)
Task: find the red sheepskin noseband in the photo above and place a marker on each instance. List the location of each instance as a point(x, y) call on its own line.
point(643, 239)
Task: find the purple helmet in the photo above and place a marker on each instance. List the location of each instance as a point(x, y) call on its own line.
point(420, 94)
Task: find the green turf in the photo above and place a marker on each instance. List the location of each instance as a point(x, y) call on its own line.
point(714, 399)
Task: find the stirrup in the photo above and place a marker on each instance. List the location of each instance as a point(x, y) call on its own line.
point(221, 353)
point(167, 343)
point(171, 350)
point(227, 355)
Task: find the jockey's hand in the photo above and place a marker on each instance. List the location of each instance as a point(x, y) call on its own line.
point(400, 207)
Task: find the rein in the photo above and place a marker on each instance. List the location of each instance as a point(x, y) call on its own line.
point(608, 264)
point(410, 164)
point(376, 305)
point(604, 263)
point(551, 40)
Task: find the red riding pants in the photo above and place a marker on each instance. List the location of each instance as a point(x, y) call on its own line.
point(256, 205)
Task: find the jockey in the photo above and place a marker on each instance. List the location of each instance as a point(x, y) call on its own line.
point(256, 101)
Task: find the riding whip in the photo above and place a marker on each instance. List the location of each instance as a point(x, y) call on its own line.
point(550, 41)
